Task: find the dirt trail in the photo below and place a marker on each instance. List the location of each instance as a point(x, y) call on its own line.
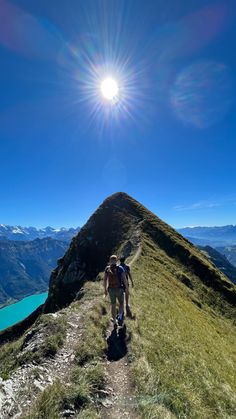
point(120, 401)
point(136, 255)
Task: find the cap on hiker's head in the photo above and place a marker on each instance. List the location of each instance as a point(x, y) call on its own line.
point(122, 258)
point(113, 258)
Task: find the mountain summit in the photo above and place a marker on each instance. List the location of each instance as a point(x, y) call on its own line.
point(119, 225)
point(113, 228)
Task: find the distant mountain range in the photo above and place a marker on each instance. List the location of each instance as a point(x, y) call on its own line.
point(212, 236)
point(25, 266)
point(221, 261)
point(19, 233)
point(229, 252)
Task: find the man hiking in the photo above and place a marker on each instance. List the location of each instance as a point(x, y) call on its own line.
point(114, 282)
point(128, 276)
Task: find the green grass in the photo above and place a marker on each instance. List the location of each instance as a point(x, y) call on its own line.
point(49, 403)
point(86, 378)
point(183, 354)
point(93, 344)
point(12, 356)
point(8, 358)
point(54, 330)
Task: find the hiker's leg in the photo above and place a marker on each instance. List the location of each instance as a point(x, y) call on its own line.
point(126, 297)
point(113, 311)
point(113, 303)
point(121, 301)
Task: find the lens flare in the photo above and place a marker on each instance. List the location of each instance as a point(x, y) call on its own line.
point(109, 88)
point(202, 94)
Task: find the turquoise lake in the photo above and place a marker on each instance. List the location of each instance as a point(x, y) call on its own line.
point(15, 312)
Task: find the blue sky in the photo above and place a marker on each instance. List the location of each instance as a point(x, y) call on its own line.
point(168, 141)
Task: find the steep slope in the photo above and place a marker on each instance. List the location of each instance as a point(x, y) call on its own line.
point(25, 266)
point(183, 341)
point(179, 347)
point(220, 261)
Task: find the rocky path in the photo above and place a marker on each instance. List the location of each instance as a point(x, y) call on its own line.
point(24, 386)
point(120, 401)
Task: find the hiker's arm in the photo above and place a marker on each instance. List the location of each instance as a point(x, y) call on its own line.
point(131, 278)
point(125, 282)
point(105, 283)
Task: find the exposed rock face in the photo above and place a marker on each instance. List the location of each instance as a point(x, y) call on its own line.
point(117, 226)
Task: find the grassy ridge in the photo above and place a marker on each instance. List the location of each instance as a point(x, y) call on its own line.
point(183, 348)
point(85, 381)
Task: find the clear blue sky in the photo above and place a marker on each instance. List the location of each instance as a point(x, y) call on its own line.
point(170, 139)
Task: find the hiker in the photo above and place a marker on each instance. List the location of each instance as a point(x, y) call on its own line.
point(128, 276)
point(114, 282)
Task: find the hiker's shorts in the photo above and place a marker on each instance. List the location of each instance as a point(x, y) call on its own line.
point(116, 293)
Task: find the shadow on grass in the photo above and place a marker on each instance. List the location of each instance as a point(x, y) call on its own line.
point(117, 344)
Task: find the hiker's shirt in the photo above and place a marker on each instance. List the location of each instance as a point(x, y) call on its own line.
point(114, 273)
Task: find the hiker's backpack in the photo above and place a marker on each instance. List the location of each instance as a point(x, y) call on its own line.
point(114, 276)
point(126, 269)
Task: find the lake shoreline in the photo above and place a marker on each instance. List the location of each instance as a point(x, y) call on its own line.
point(14, 301)
point(14, 313)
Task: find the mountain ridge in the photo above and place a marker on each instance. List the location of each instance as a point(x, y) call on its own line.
point(178, 350)
point(124, 215)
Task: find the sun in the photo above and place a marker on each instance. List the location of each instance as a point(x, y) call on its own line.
point(109, 88)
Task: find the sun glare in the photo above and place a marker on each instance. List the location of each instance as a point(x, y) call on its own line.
point(109, 88)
